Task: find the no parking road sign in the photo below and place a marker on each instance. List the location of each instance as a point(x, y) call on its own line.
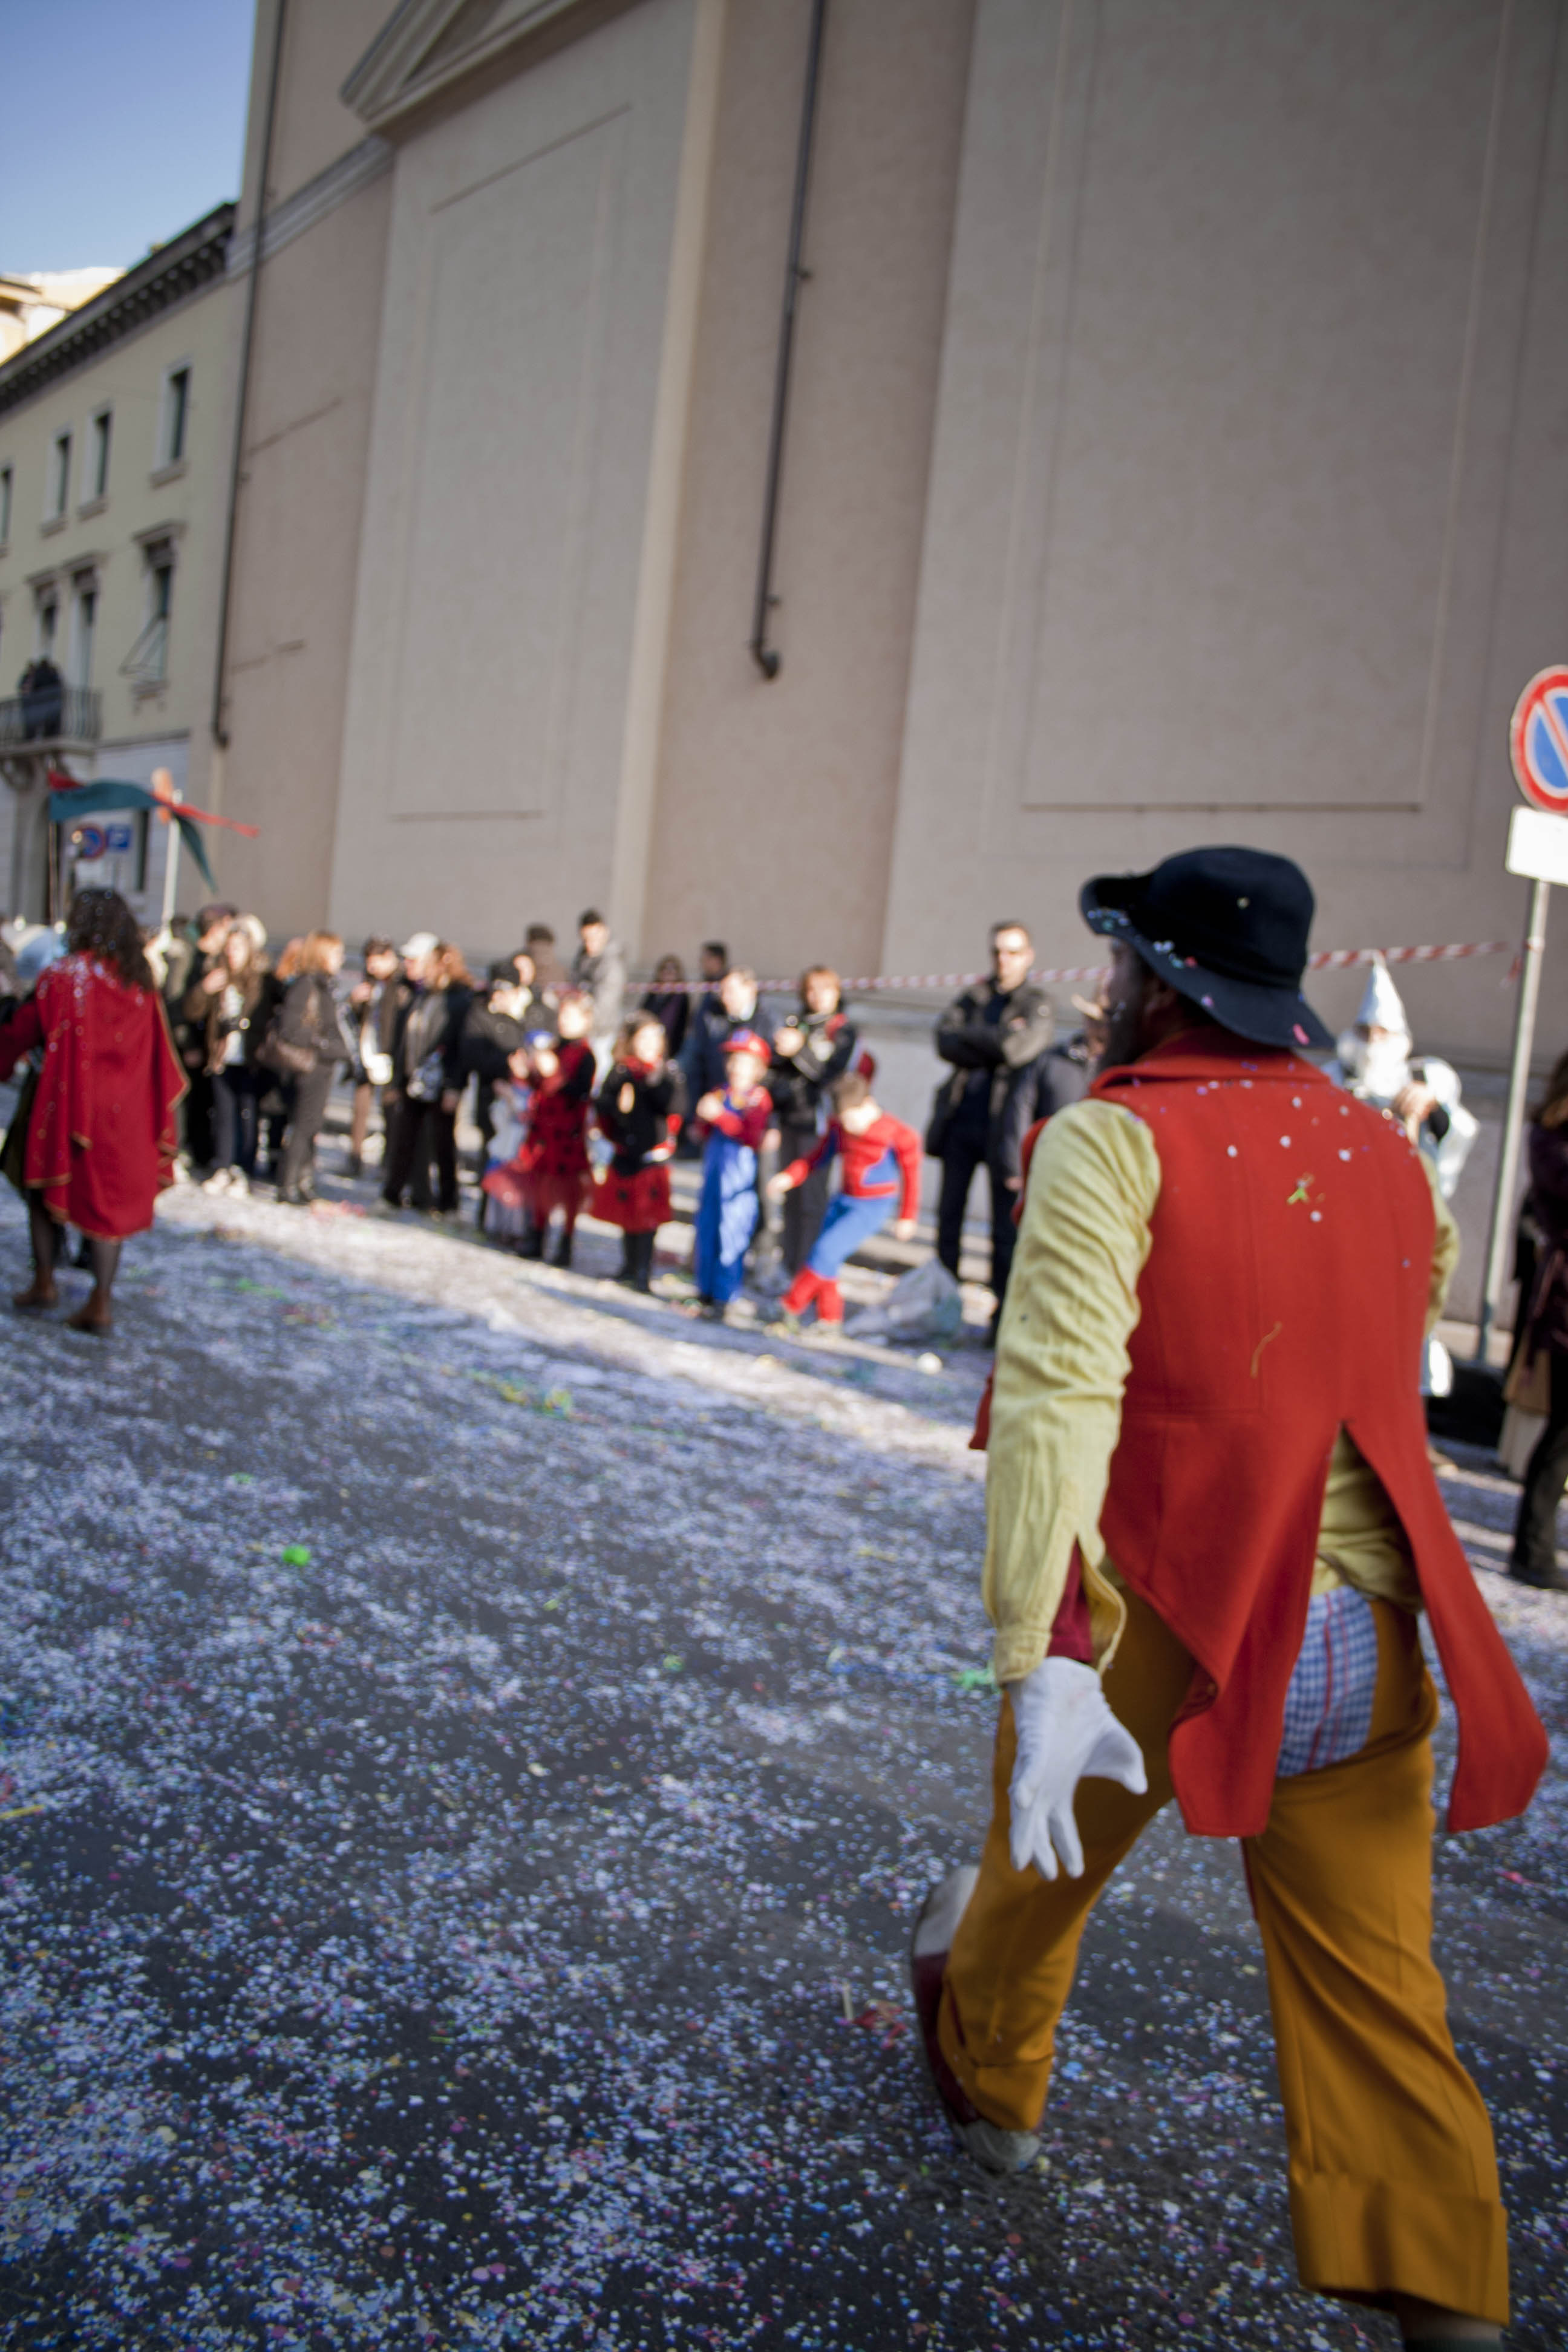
point(1537, 741)
point(1538, 847)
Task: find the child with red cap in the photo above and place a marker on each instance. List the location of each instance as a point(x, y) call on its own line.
point(735, 1124)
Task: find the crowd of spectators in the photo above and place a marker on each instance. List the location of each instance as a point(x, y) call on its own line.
point(264, 1039)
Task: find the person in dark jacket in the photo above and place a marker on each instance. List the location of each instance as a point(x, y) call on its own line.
point(1545, 1332)
point(368, 1014)
point(309, 1022)
point(705, 1062)
point(427, 1076)
point(225, 1011)
point(639, 1109)
point(43, 693)
point(997, 1039)
point(277, 1105)
point(811, 1049)
point(707, 1014)
point(494, 1028)
point(669, 1002)
point(195, 1111)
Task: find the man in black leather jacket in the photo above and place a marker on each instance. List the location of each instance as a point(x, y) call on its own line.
point(997, 1038)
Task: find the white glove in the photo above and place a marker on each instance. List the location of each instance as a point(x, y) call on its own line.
point(1066, 1733)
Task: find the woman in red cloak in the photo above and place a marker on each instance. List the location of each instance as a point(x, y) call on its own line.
point(101, 1138)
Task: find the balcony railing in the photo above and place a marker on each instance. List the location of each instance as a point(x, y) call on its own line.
point(50, 715)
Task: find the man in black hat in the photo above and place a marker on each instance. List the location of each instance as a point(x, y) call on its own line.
point(1210, 1523)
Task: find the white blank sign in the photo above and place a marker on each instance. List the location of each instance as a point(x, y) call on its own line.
point(1538, 846)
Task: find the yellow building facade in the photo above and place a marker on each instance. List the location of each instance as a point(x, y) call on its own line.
point(116, 440)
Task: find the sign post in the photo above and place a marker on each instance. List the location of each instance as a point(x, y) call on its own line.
point(1538, 848)
point(163, 790)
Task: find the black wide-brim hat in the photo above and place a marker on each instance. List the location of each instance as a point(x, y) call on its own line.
point(1226, 928)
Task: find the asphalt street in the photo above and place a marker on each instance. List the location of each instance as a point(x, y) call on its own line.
point(471, 1747)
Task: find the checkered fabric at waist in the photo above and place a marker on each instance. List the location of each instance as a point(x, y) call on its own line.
point(1328, 1707)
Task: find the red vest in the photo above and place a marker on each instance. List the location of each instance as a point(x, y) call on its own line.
point(1285, 1296)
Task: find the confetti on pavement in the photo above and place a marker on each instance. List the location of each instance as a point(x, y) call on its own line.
point(471, 1747)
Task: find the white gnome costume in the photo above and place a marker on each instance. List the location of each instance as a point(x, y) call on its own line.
point(1374, 1063)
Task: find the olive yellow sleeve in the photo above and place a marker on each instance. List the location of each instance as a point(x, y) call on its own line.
point(1061, 1366)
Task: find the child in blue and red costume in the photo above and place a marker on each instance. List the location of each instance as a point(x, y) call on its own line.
point(881, 1160)
point(735, 1123)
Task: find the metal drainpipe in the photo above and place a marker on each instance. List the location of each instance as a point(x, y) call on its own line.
point(220, 732)
point(768, 657)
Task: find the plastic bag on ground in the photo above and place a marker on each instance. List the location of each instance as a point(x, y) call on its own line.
point(924, 1304)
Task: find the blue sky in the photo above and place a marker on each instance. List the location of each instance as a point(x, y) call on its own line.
point(123, 124)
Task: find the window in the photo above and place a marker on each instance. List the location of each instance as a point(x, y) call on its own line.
point(59, 476)
point(163, 588)
point(176, 416)
point(46, 623)
point(4, 504)
point(146, 665)
point(97, 483)
point(84, 624)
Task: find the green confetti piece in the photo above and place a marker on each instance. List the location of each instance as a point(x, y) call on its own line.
point(296, 1556)
point(241, 1478)
point(558, 1401)
point(976, 1678)
point(672, 1664)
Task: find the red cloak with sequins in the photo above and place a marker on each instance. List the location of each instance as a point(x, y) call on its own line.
point(101, 1138)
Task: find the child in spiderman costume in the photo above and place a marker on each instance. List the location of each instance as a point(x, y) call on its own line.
point(881, 1160)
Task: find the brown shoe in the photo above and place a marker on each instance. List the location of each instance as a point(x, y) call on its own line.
point(993, 2147)
point(35, 1298)
point(94, 1317)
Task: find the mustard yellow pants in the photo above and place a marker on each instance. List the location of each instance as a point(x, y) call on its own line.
point(1392, 2176)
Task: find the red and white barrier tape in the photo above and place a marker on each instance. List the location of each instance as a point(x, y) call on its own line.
point(1326, 959)
point(1330, 959)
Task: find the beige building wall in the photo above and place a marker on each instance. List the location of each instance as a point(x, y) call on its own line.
point(1172, 454)
point(776, 798)
point(107, 544)
point(301, 489)
point(531, 398)
point(1245, 515)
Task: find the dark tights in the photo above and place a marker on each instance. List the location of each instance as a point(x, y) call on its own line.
point(1546, 1473)
point(45, 1237)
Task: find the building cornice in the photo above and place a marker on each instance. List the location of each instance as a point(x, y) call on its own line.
point(169, 276)
point(307, 206)
point(428, 45)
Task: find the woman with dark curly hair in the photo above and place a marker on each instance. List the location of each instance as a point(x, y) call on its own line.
point(101, 1138)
